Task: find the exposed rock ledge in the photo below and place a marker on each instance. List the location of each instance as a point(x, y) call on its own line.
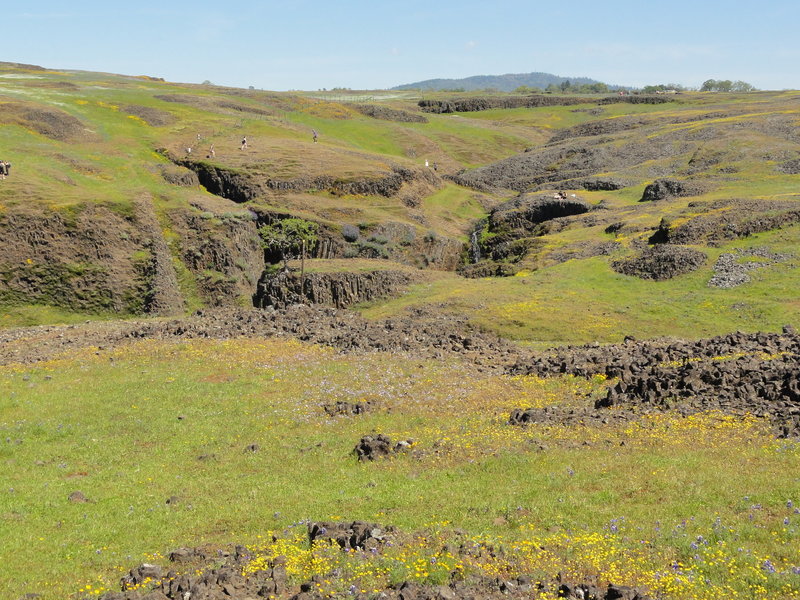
point(330, 289)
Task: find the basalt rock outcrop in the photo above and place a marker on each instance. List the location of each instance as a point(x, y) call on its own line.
point(356, 535)
point(661, 262)
point(722, 220)
point(663, 189)
point(532, 101)
point(328, 289)
point(94, 259)
point(241, 185)
point(756, 373)
point(511, 224)
point(389, 114)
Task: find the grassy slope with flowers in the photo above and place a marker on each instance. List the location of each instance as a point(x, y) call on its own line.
point(693, 507)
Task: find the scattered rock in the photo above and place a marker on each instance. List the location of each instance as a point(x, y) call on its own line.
point(77, 497)
point(731, 271)
point(356, 535)
point(340, 408)
point(371, 447)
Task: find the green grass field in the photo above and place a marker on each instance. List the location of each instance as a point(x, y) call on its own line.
point(135, 427)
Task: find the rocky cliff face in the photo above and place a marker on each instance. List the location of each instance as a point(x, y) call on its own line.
point(93, 259)
point(329, 289)
point(241, 186)
point(97, 259)
point(224, 255)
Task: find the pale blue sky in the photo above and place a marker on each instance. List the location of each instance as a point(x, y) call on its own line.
point(312, 44)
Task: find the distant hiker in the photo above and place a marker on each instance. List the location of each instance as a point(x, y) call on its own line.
point(244, 143)
point(426, 163)
point(435, 167)
point(198, 137)
point(189, 150)
point(211, 152)
point(3, 171)
point(314, 133)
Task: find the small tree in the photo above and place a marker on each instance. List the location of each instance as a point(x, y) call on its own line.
point(288, 237)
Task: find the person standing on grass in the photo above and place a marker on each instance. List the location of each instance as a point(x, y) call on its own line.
point(244, 143)
point(314, 133)
point(211, 152)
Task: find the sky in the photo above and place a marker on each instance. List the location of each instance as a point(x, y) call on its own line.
point(316, 44)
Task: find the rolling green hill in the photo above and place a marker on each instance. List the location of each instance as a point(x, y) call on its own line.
point(116, 205)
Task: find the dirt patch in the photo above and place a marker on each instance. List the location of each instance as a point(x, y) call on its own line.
point(49, 122)
point(152, 116)
point(243, 108)
point(661, 262)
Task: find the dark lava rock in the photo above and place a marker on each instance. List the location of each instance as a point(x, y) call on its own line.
point(527, 211)
point(330, 289)
point(662, 189)
point(77, 497)
point(661, 262)
point(790, 167)
point(754, 373)
point(371, 447)
point(140, 574)
point(341, 408)
point(729, 220)
point(389, 114)
point(731, 271)
point(604, 185)
point(488, 269)
point(356, 535)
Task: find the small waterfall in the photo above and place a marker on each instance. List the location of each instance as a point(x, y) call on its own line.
point(474, 247)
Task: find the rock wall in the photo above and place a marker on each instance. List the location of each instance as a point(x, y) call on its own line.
point(224, 254)
point(239, 186)
point(91, 258)
point(329, 289)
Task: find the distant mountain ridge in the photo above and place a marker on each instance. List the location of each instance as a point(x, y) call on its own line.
point(504, 83)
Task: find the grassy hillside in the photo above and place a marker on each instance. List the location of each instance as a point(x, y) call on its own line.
point(212, 443)
point(83, 140)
